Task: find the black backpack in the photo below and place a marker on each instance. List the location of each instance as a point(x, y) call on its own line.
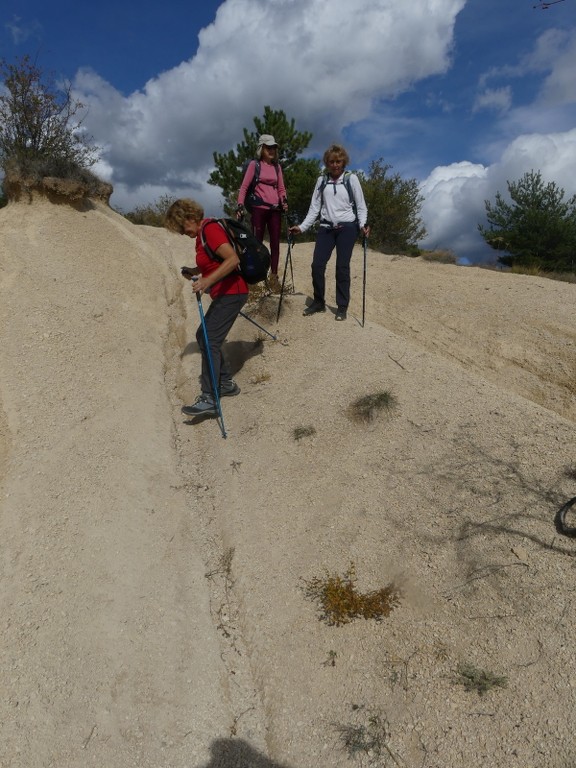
point(252, 199)
point(254, 256)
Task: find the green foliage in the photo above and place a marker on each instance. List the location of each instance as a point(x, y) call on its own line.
point(393, 209)
point(299, 175)
point(39, 123)
point(340, 602)
point(300, 180)
point(479, 680)
point(152, 214)
point(536, 229)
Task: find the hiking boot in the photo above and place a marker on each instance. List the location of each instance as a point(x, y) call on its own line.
point(316, 306)
point(274, 284)
point(229, 388)
point(204, 406)
point(340, 314)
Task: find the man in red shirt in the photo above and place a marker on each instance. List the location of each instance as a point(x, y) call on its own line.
point(228, 291)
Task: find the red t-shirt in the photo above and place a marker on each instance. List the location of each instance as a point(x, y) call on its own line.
point(215, 236)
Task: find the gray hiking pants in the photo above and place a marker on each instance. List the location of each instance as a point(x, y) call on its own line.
point(219, 319)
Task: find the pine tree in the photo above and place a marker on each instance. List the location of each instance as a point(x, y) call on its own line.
point(536, 229)
point(299, 175)
point(393, 209)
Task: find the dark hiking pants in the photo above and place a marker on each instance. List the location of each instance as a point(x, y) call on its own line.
point(271, 218)
point(341, 237)
point(219, 319)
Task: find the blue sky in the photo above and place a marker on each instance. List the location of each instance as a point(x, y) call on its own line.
point(462, 95)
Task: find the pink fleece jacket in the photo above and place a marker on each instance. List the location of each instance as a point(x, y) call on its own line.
point(270, 185)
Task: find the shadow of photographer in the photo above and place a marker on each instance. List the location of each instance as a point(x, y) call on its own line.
point(236, 753)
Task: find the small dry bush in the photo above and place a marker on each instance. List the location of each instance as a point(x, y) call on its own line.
point(152, 214)
point(300, 432)
point(440, 256)
point(260, 378)
point(370, 736)
point(563, 277)
point(261, 304)
point(479, 680)
point(535, 271)
point(366, 408)
point(33, 170)
point(518, 269)
point(339, 601)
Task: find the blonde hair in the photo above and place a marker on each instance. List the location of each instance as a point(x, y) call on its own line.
point(180, 211)
point(337, 152)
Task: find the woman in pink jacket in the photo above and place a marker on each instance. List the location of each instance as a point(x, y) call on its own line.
point(265, 199)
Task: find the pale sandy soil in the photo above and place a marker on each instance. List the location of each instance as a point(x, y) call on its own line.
point(152, 609)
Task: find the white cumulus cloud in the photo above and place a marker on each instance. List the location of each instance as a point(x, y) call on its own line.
point(455, 194)
point(323, 63)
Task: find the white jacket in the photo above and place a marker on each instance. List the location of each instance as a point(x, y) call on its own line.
point(333, 204)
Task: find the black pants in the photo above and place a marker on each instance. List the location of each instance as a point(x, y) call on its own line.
point(341, 237)
point(219, 318)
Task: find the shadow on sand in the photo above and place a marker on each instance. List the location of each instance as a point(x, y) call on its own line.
point(236, 753)
point(235, 352)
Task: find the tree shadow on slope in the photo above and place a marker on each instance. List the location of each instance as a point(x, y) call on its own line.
point(236, 753)
point(483, 483)
point(495, 502)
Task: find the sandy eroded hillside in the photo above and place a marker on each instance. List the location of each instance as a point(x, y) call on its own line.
point(151, 579)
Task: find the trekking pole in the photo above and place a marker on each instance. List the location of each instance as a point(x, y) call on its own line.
point(290, 238)
point(364, 243)
point(257, 325)
point(292, 218)
point(209, 356)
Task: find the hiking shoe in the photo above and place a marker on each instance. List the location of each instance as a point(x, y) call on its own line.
point(316, 306)
point(229, 388)
point(274, 283)
point(204, 406)
point(340, 314)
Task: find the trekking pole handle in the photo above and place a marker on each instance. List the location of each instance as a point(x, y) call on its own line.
point(199, 293)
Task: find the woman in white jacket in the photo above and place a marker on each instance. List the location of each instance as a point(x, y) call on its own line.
point(339, 201)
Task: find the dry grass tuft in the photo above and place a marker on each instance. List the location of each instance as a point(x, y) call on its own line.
point(300, 432)
point(369, 736)
point(439, 256)
point(479, 680)
point(340, 602)
point(366, 408)
point(260, 378)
